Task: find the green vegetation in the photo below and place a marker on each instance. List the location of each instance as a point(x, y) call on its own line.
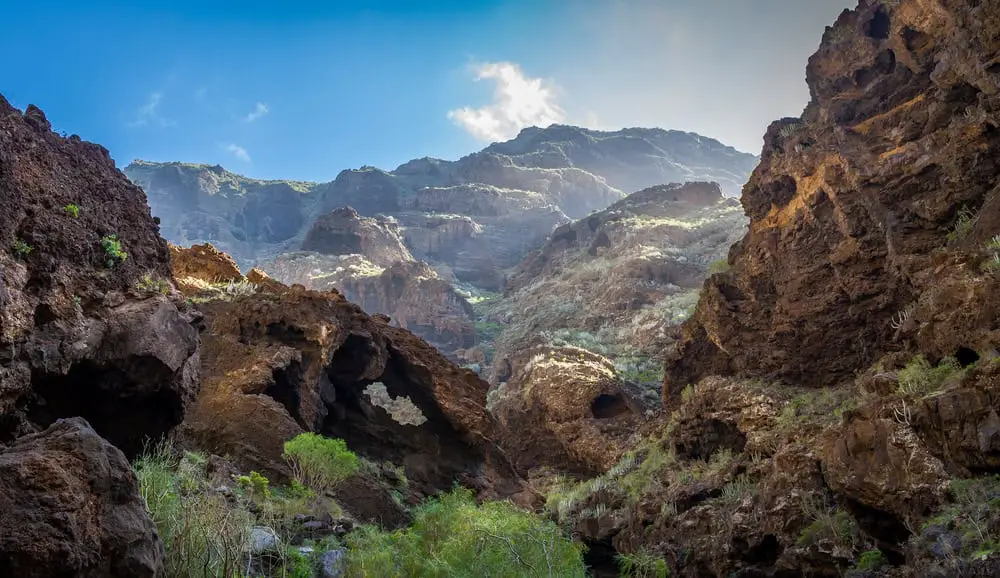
point(992, 264)
point(113, 250)
point(642, 565)
point(828, 523)
point(203, 534)
point(870, 560)
point(971, 517)
point(72, 210)
point(21, 249)
point(318, 462)
point(920, 378)
point(822, 407)
point(206, 531)
point(452, 536)
point(963, 225)
point(718, 266)
point(487, 331)
point(641, 370)
point(151, 284)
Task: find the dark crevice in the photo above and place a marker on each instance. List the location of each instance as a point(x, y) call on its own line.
point(284, 389)
point(966, 356)
point(125, 412)
point(601, 558)
point(885, 527)
point(878, 26)
point(607, 406)
point(764, 553)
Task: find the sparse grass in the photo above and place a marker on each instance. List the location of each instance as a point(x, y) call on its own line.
point(718, 266)
point(641, 370)
point(870, 560)
point(113, 250)
point(963, 225)
point(72, 210)
point(21, 249)
point(642, 565)
point(149, 283)
point(687, 394)
point(318, 462)
point(452, 536)
point(828, 523)
point(920, 378)
point(968, 526)
point(820, 407)
point(992, 264)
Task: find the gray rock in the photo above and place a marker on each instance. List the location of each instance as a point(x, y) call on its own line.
point(332, 563)
point(263, 539)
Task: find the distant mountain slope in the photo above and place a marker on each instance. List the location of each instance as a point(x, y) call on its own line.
point(560, 171)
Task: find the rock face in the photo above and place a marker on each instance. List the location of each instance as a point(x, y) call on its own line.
point(365, 259)
point(532, 182)
point(618, 281)
point(892, 162)
point(70, 506)
point(281, 361)
point(81, 333)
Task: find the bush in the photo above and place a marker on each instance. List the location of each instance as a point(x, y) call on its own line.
point(150, 284)
point(642, 565)
point(113, 250)
point(871, 560)
point(72, 210)
point(718, 266)
point(452, 536)
point(921, 378)
point(318, 462)
point(21, 249)
point(203, 534)
point(963, 225)
point(972, 516)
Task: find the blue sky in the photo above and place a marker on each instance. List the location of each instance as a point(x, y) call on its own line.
point(304, 89)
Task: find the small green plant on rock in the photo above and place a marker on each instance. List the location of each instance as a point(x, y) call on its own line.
point(318, 462)
point(992, 264)
point(150, 284)
point(21, 249)
point(255, 486)
point(642, 565)
point(72, 210)
point(922, 379)
point(963, 225)
point(718, 266)
point(870, 560)
point(113, 250)
point(971, 518)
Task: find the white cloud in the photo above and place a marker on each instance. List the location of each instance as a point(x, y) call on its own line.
point(238, 152)
point(258, 111)
point(149, 113)
point(518, 102)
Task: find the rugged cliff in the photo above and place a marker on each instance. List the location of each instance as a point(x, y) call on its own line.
point(857, 206)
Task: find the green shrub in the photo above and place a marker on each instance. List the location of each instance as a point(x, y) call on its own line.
point(828, 524)
point(21, 249)
point(972, 515)
point(202, 533)
point(255, 485)
point(963, 225)
point(150, 284)
point(452, 536)
point(920, 378)
point(642, 565)
point(871, 560)
point(72, 210)
point(318, 462)
point(113, 250)
point(718, 266)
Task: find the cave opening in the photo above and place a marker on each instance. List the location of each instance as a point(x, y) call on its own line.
point(888, 530)
point(284, 389)
point(601, 558)
point(879, 25)
point(966, 356)
point(127, 413)
point(764, 553)
point(607, 406)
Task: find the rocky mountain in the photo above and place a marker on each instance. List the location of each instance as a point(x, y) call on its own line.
point(478, 215)
point(833, 398)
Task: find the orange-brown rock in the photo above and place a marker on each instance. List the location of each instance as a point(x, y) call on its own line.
point(565, 408)
point(202, 263)
point(279, 363)
point(893, 160)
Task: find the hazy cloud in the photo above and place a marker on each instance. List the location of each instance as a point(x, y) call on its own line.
point(518, 102)
point(258, 112)
point(238, 152)
point(149, 113)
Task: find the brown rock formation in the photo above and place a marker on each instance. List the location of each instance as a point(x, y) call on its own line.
point(281, 361)
point(850, 203)
point(565, 409)
point(203, 263)
point(344, 232)
point(70, 506)
point(80, 333)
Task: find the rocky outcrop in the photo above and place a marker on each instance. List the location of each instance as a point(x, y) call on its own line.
point(852, 205)
point(345, 232)
point(564, 409)
point(85, 329)
point(70, 506)
point(279, 361)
